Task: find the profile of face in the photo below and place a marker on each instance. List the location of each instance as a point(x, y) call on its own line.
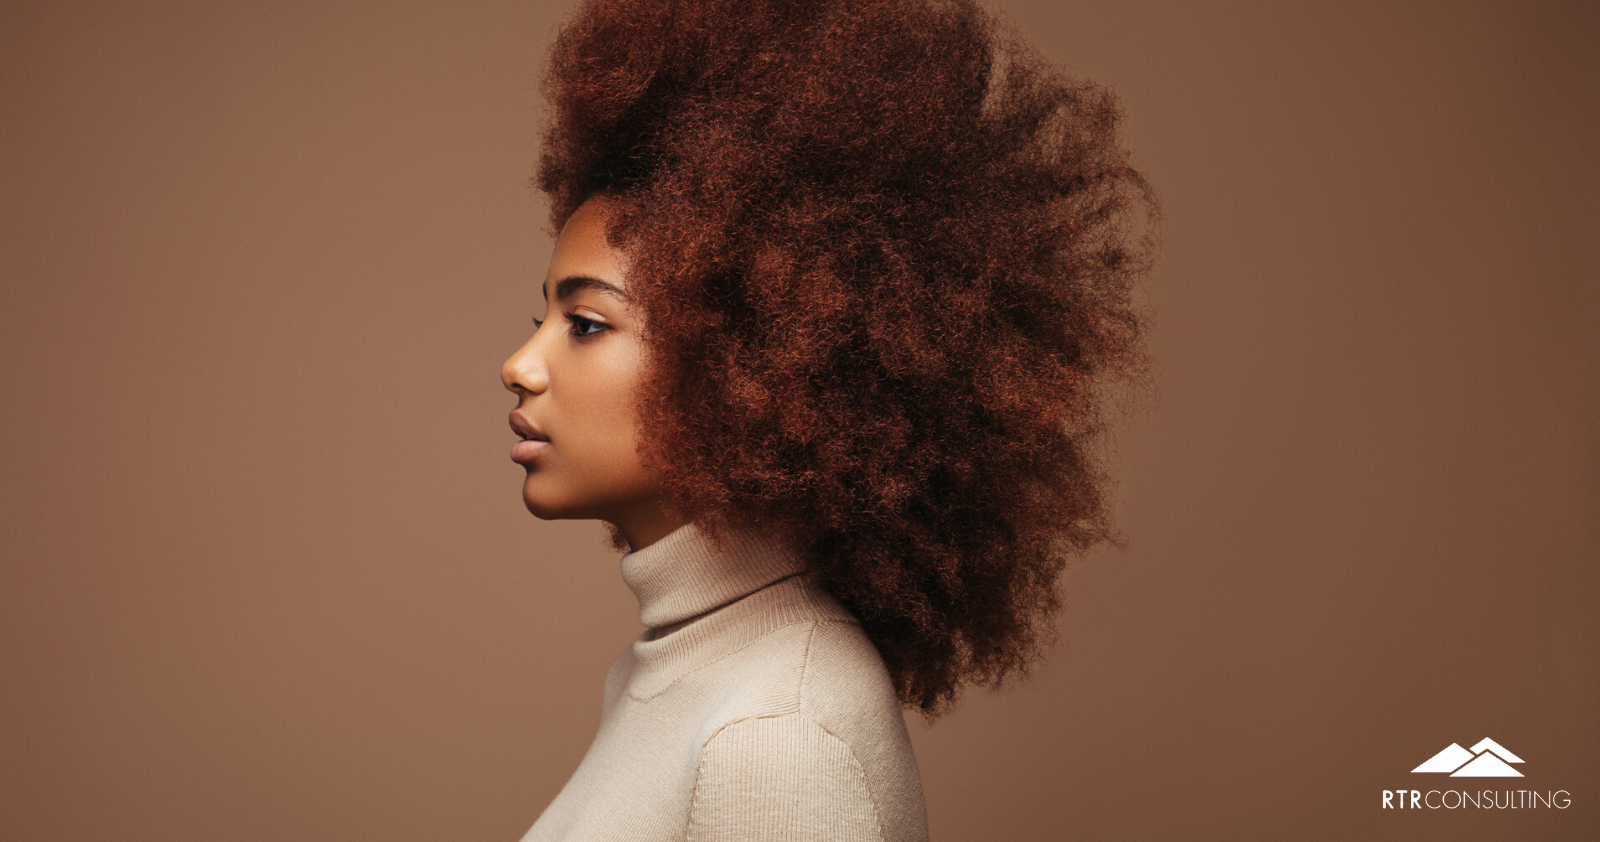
point(575, 382)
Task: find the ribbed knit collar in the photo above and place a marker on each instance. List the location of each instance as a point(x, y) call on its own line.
point(683, 575)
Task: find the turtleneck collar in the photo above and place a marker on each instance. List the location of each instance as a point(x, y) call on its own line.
point(683, 575)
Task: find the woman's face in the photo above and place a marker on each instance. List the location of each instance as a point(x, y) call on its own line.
point(575, 381)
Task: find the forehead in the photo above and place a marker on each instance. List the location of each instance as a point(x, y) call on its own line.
point(582, 250)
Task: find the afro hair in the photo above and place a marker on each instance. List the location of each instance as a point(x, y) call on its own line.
point(885, 256)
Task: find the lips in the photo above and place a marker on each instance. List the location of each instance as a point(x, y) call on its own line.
point(532, 441)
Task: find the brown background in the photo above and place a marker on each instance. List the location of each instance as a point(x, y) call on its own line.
point(266, 571)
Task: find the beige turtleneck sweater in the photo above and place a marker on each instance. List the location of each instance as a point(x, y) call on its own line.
point(767, 715)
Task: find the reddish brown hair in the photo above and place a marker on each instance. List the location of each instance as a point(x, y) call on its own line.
point(884, 255)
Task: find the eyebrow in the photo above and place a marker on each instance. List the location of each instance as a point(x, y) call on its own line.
point(567, 286)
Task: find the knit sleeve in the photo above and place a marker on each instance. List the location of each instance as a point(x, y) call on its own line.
point(780, 778)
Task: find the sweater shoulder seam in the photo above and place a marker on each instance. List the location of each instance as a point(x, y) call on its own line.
point(805, 671)
point(860, 768)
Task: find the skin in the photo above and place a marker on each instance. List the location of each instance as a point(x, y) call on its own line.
point(575, 382)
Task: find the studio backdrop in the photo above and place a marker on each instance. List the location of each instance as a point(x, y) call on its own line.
point(266, 573)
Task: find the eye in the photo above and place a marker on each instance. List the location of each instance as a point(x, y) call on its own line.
point(584, 327)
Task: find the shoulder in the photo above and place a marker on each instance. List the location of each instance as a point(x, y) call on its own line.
point(820, 663)
point(824, 754)
point(844, 677)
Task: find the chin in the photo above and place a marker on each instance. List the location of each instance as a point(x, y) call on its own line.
point(548, 504)
point(544, 505)
point(546, 510)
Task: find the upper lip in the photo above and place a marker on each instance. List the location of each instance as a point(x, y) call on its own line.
point(524, 428)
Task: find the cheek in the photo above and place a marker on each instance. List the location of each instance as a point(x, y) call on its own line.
point(602, 416)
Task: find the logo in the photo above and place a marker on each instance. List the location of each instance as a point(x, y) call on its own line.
point(1487, 759)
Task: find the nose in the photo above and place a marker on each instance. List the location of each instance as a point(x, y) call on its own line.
point(524, 371)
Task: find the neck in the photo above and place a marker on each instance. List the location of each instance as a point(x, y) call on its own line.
point(644, 524)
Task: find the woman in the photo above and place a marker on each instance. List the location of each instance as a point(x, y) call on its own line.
point(837, 289)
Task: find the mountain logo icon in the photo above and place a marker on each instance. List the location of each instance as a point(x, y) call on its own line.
point(1487, 759)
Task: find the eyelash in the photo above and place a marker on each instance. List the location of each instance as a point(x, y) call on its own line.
point(579, 326)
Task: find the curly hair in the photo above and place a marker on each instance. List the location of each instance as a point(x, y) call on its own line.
point(885, 257)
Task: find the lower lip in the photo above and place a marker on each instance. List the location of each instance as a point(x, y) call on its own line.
point(528, 450)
